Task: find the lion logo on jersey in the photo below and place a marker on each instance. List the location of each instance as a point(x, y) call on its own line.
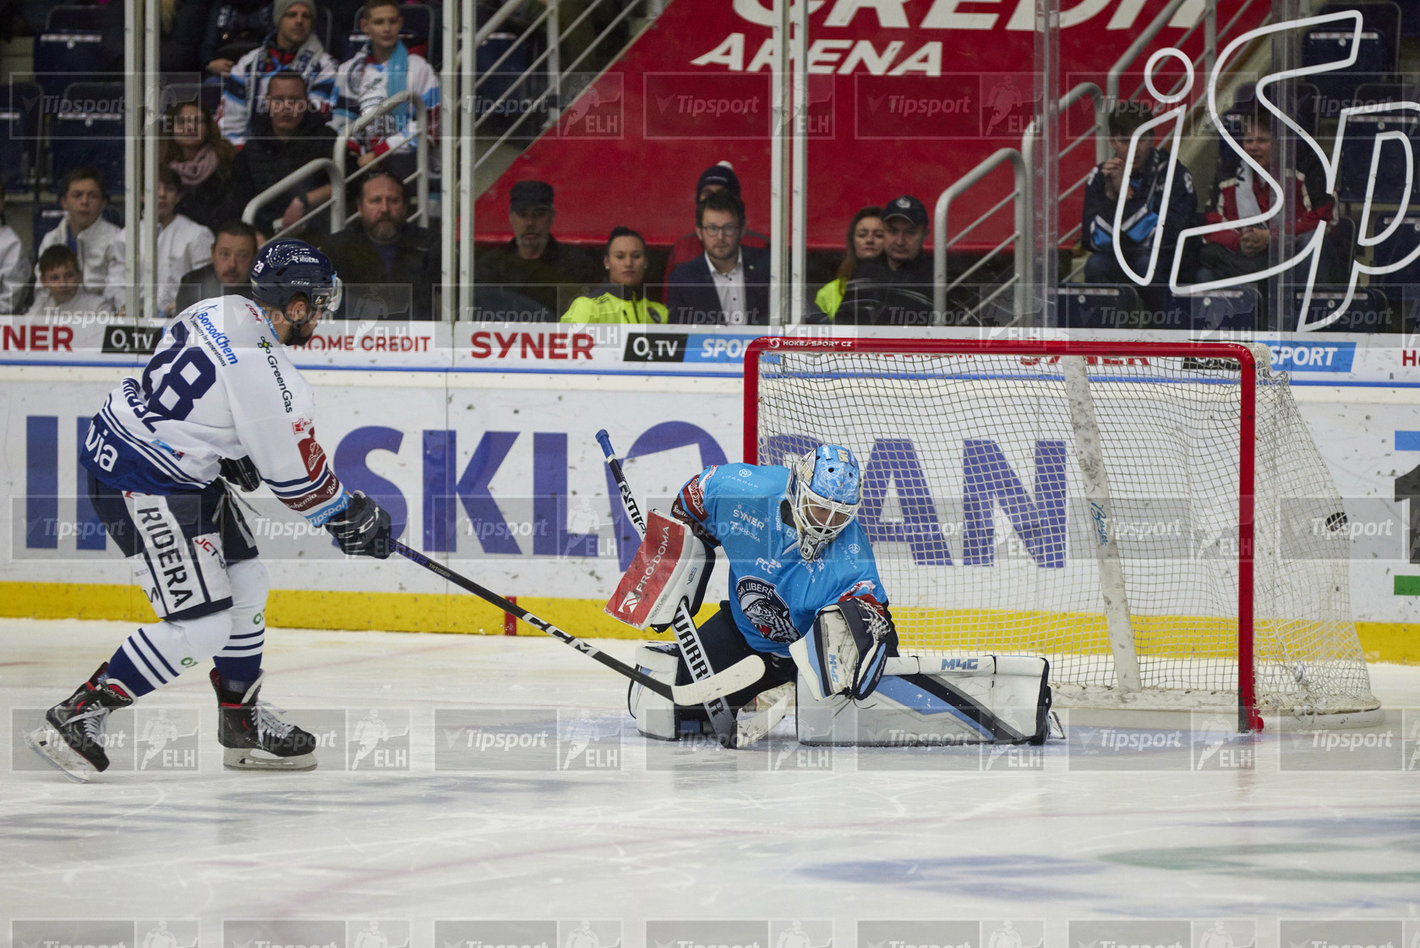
point(769, 614)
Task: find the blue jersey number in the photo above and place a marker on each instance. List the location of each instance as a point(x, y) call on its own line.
point(183, 374)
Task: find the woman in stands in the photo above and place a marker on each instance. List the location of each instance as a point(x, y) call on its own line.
point(623, 300)
point(192, 146)
point(867, 235)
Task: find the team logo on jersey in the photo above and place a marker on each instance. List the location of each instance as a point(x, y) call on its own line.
point(311, 451)
point(300, 426)
point(769, 614)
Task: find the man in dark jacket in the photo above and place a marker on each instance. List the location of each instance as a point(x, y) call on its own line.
point(287, 136)
point(728, 284)
point(393, 267)
point(532, 267)
point(233, 252)
point(894, 289)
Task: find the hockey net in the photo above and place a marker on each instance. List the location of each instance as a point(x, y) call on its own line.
point(1094, 503)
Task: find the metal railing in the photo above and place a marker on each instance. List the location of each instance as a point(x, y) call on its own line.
point(420, 175)
point(332, 170)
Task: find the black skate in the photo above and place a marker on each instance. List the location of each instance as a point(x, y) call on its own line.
point(254, 737)
point(73, 736)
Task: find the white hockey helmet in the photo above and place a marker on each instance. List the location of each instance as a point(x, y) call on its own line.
point(825, 491)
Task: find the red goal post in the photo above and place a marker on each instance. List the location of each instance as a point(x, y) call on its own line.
point(935, 421)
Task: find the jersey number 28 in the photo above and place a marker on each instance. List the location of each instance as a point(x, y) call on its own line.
point(182, 374)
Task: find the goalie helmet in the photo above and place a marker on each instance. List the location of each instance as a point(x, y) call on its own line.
point(285, 269)
point(825, 490)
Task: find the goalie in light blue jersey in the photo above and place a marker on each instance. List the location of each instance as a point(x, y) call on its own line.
point(800, 566)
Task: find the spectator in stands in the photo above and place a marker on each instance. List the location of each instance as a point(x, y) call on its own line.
point(534, 264)
point(14, 265)
point(1143, 197)
point(61, 287)
point(382, 68)
point(392, 267)
point(867, 235)
point(290, 135)
point(182, 26)
point(97, 243)
point(623, 298)
point(229, 270)
point(192, 146)
point(717, 177)
point(1233, 253)
point(895, 288)
point(182, 242)
point(728, 283)
point(234, 28)
point(291, 47)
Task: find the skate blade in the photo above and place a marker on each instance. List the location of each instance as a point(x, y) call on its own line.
point(247, 758)
point(46, 742)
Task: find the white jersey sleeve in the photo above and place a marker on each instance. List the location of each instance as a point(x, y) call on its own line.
point(218, 386)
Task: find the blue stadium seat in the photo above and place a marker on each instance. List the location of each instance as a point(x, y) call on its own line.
point(1369, 310)
point(1098, 306)
point(59, 56)
point(1353, 174)
point(19, 134)
point(1376, 54)
point(1409, 17)
point(88, 130)
point(417, 33)
point(1403, 286)
point(1231, 309)
point(47, 217)
point(77, 18)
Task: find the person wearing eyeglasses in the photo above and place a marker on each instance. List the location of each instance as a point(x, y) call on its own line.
point(729, 283)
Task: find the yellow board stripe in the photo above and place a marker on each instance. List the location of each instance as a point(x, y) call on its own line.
point(460, 613)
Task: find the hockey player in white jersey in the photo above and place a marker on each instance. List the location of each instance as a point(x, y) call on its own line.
point(219, 402)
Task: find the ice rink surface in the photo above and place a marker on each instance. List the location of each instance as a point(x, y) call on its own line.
point(478, 792)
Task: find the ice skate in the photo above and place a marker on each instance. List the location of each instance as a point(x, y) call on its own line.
point(72, 738)
point(254, 737)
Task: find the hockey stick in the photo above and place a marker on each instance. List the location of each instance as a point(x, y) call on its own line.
point(722, 719)
point(742, 674)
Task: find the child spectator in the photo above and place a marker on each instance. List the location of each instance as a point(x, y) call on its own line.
point(61, 287)
point(384, 67)
point(183, 244)
point(97, 243)
point(192, 146)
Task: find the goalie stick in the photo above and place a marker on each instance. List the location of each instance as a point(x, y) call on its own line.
point(722, 719)
point(740, 675)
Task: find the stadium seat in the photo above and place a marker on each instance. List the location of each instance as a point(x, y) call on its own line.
point(1369, 310)
point(1231, 309)
point(47, 217)
point(77, 19)
point(1409, 17)
point(1098, 306)
point(1402, 287)
point(19, 132)
point(88, 131)
point(59, 56)
point(1353, 175)
point(1376, 54)
point(417, 33)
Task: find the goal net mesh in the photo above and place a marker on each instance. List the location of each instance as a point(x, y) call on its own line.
point(987, 537)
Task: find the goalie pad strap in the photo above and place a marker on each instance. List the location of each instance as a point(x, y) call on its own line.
point(670, 565)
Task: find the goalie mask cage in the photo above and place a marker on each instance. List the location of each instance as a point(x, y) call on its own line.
point(1153, 518)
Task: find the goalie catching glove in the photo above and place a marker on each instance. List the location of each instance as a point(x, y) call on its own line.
point(362, 528)
point(846, 651)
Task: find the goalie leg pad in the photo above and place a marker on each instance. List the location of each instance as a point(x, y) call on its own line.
point(1010, 705)
point(657, 716)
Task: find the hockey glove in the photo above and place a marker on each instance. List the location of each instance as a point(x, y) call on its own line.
point(362, 528)
point(850, 644)
point(241, 473)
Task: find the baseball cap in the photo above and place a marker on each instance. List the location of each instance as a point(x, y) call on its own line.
point(529, 194)
point(907, 207)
